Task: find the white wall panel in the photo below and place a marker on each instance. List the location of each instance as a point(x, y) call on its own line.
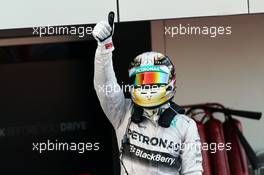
point(152, 9)
point(256, 6)
point(32, 13)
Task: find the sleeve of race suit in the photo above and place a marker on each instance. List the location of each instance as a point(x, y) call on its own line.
point(110, 95)
point(191, 151)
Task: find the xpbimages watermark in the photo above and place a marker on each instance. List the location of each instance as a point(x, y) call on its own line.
point(211, 31)
point(80, 147)
point(108, 89)
point(80, 31)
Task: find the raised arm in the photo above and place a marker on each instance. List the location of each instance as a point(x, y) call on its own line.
point(110, 95)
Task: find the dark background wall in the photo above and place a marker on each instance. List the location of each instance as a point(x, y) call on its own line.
point(46, 92)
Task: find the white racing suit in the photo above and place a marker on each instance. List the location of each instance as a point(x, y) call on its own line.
point(152, 149)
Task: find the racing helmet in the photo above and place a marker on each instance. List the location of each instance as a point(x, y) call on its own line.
point(153, 79)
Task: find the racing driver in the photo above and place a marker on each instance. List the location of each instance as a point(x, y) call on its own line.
point(153, 134)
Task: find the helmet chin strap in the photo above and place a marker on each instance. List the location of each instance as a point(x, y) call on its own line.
point(151, 112)
point(155, 112)
point(164, 113)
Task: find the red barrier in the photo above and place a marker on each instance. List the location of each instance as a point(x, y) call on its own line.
point(205, 153)
point(237, 156)
point(215, 135)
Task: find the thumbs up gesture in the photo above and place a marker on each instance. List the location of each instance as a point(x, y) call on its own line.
point(103, 32)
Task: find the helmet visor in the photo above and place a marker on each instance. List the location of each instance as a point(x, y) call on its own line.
point(151, 78)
